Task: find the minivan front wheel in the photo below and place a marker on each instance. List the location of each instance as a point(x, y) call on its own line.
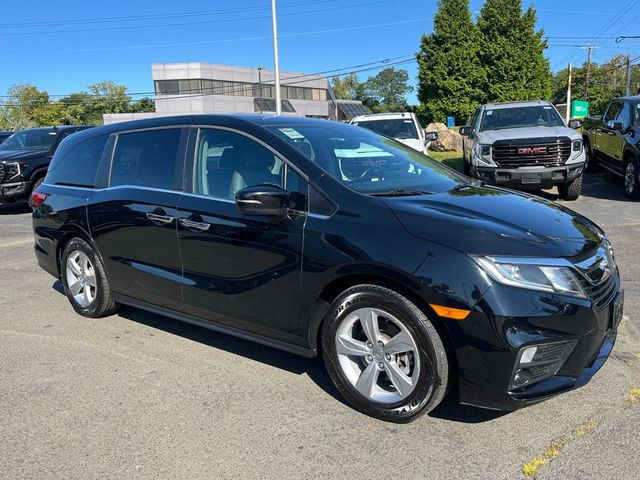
point(383, 354)
point(84, 280)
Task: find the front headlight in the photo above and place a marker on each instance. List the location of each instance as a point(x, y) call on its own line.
point(482, 155)
point(546, 275)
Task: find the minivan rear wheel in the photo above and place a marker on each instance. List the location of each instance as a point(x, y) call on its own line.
point(383, 354)
point(85, 281)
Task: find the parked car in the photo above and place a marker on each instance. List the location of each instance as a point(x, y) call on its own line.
point(403, 127)
point(4, 136)
point(524, 145)
point(612, 141)
point(318, 237)
point(24, 158)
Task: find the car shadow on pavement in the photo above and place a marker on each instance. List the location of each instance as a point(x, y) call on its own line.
point(449, 409)
point(603, 185)
point(14, 208)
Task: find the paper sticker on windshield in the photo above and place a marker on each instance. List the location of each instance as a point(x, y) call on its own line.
point(291, 133)
point(547, 108)
point(489, 112)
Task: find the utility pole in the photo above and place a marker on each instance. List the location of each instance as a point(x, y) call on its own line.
point(276, 61)
point(586, 82)
point(628, 75)
point(568, 113)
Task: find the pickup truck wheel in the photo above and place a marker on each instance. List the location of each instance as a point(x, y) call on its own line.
point(570, 191)
point(590, 164)
point(631, 183)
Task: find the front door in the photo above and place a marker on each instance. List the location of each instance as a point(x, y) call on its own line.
point(133, 223)
point(243, 271)
point(611, 140)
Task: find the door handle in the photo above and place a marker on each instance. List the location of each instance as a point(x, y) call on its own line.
point(161, 219)
point(197, 226)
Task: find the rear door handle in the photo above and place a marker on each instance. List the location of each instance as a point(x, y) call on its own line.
point(197, 226)
point(161, 219)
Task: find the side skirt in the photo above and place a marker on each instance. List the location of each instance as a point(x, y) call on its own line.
point(183, 317)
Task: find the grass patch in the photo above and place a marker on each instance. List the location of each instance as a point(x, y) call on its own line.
point(632, 397)
point(450, 159)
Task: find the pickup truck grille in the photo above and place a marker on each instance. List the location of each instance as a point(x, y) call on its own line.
point(543, 152)
point(2, 173)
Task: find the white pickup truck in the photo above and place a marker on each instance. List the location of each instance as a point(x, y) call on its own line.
point(403, 127)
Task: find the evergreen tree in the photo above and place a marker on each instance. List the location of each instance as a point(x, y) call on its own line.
point(512, 53)
point(450, 76)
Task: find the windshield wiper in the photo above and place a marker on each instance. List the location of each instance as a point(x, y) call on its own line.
point(401, 192)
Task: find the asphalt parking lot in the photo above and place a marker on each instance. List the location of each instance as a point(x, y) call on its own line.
point(141, 396)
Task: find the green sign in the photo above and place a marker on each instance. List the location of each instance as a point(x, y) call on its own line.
point(579, 109)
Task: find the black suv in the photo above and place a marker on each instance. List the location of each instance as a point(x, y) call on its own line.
point(313, 236)
point(24, 158)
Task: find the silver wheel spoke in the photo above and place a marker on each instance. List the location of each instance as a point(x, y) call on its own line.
point(91, 279)
point(400, 380)
point(401, 343)
point(350, 346)
point(368, 379)
point(75, 268)
point(75, 288)
point(87, 294)
point(369, 322)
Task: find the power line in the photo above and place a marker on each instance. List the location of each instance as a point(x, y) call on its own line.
point(203, 22)
point(302, 79)
point(157, 16)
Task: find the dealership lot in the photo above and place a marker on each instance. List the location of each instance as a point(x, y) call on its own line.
point(140, 396)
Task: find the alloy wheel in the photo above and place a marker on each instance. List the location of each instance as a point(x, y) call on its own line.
point(629, 178)
point(81, 278)
point(378, 355)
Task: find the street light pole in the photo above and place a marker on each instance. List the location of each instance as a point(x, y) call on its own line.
point(276, 61)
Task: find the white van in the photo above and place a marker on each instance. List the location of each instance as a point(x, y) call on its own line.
point(403, 127)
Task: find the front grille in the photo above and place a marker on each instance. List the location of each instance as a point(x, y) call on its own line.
point(2, 174)
point(603, 293)
point(543, 152)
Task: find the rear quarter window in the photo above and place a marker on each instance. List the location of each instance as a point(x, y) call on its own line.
point(77, 165)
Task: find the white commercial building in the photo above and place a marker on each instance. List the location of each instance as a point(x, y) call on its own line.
point(197, 88)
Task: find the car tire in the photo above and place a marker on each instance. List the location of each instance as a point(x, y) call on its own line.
point(570, 191)
point(466, 167)
point(590, 164)
point(631, 183)
point(85, 281)
point(36, 184)
point(400, 373)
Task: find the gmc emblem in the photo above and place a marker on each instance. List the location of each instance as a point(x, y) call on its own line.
point(531, 150)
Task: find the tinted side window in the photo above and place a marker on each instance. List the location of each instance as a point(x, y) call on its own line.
point(147, 159)
point(612, 111)
point(78, 166)
point(298, 189)
point(625, 115)
point(227, 162)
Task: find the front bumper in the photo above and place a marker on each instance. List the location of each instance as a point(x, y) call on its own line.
point(507, 320)
point(12, 191)
point(529, 177)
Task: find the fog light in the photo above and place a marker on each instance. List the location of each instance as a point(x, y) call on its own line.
point(522, 377)
point(528, 354)
point(539, 362)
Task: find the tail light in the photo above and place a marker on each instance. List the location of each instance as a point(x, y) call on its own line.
point(37, 198)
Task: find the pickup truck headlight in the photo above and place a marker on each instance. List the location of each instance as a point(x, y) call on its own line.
point(545, 275)
point(577, 145)
point(11, 169)
point(482, 155)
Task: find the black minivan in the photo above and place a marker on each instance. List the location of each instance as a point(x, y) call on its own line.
point(322, 238)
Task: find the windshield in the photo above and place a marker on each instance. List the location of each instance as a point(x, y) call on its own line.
point(36, 139)
point(400, 128)
point(520, 117)
point(366, 161)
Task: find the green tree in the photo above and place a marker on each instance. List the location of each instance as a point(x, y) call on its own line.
point(387, 91)
point(512, 52)
point(26, 106)
point(450, 75)
point(347, 88)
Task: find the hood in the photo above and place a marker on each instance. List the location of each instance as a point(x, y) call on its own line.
point(486, 220)
point(15, 155)
point(488, 137)
point(414, 143)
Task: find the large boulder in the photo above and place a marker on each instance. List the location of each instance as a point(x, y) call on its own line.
point(436, 127)
point(448, 141)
